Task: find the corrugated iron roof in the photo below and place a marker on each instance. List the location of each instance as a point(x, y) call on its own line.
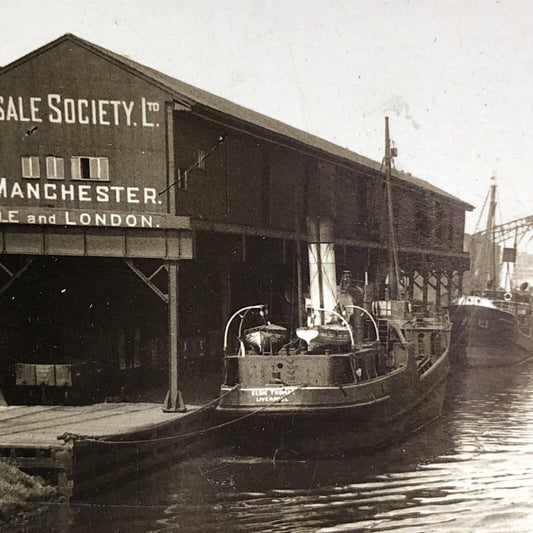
point(191, 95)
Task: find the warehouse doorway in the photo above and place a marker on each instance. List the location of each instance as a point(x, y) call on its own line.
point(92, 314)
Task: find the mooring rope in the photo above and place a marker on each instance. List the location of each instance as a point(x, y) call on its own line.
point(67, 436)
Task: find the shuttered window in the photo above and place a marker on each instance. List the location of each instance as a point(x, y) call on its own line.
point(199, 157)
point(30, 166)
point(55, 168)
point(90, 168)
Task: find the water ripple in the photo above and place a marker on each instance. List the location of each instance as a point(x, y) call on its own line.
point(470, 471)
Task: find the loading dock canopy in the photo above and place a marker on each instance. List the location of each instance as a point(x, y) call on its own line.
point(152, 243)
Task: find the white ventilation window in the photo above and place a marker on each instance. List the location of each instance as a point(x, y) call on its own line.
point(30, 166)
point(55, 168)
point(199, 159)
point(90, 168)
point(182, 180)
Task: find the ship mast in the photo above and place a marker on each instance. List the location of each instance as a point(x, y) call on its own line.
point(394, 270)
point(490, 241)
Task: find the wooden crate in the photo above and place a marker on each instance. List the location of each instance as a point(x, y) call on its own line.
point(25, 374)
point(63, 375)
point(45, 375)
point(62, 383)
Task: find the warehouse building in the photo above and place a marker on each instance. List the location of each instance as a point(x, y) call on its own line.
point(137, 212)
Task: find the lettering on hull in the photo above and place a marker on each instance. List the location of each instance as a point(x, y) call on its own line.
point(270, 395)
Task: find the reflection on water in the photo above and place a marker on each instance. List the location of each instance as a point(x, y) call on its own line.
point(471, 470)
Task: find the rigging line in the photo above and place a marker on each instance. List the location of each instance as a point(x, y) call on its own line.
point(394, 269)
point(529, 240)
point(196, 163)
point(302, 99)
point(88, 438)
point(328, 283)
point(476, 229)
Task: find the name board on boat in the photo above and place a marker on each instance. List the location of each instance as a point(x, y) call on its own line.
point(270, 395)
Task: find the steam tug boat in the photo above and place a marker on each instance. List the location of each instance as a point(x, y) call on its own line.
point(325, 399)
point(360, 374)
point(492, 326)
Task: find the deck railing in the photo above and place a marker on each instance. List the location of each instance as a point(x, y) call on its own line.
point(510, 306)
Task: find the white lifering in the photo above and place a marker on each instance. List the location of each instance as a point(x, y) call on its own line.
point(507, 296)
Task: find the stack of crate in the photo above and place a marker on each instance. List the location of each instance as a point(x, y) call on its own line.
point(76, 382)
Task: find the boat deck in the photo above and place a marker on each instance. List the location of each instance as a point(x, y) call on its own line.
point(113, 440)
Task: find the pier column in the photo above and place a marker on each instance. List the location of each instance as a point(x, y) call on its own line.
point(299, 211)
point(449, 275)
point(425, 285)
point(411, 286)
point(225, 292)
point(173, 401)
point(438, 287)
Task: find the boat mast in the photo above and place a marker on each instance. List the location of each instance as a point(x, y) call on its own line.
point(298, 249)
point(490, 243)
point(394, 270)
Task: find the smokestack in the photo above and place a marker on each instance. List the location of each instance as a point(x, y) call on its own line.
point(322, 275)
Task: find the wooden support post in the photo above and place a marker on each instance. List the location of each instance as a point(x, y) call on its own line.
point(225, 292)
point(416, 275)
point(243, 248)
point(299, 281)
point(173, 401)
point(411, 287)
point(171, 165)
point(425, 276)
point(298, 209)
point(449, 273)
point(438, 285)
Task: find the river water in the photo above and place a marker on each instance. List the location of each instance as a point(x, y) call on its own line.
point(471, 470)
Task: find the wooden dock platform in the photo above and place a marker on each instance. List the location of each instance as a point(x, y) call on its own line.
point(82, 448)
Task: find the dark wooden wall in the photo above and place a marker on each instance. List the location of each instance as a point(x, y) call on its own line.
point(137, 153)
point(250, 181)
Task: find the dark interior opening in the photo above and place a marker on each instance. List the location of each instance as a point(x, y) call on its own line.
point(95, 317)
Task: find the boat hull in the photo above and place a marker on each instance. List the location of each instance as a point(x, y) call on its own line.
point(486, 336)
point(330, 421)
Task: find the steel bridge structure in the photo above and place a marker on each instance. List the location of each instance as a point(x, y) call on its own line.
point(516, 230)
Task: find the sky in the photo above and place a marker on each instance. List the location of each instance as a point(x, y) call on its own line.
point(454, 76)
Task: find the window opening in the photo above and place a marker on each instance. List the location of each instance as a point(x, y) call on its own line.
point(199, 157)
point(85, 168)
point(182, 179)
point(55, 168)
point(30, 166)
point(90, 168)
